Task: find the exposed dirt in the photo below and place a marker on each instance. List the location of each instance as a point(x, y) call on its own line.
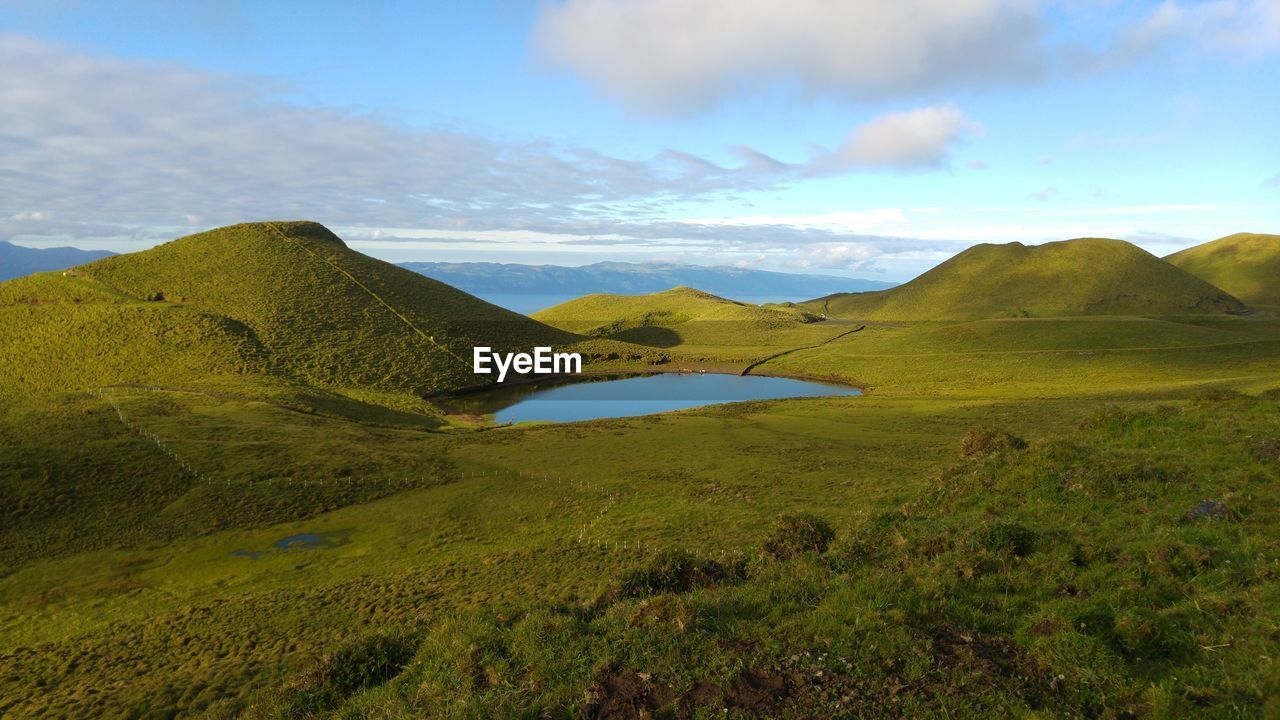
point(804, 684)
point(1266, 450)
point(625, 694)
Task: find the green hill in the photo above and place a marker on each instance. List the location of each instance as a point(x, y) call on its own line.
point(1246, 265)
point(1086, 276)
point(678, 316)
point(285, 300)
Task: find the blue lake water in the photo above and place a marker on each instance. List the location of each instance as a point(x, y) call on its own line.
point(300, 541)
point(304, 541)
point(631, 396)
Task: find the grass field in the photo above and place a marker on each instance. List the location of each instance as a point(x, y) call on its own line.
point(998, 527)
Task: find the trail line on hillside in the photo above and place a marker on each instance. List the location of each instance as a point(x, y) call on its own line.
point(747, 370)
point(371, 293)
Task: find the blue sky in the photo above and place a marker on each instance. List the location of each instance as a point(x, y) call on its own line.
point(867, 139)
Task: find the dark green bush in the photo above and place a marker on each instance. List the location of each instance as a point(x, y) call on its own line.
point(985, 440)
point(798, 533)
point(1007, 538)
point(670, 571)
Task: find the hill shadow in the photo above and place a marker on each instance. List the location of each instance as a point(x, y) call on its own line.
point(650, 335)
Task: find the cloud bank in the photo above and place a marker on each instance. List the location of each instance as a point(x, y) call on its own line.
point(921, 137)
point(680, 56)
point(94, 143)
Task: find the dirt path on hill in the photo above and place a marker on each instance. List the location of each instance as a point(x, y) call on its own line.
point(747, 370)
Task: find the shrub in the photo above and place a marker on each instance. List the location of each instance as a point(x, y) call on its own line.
point(986, 440)
point(670, 571)
point(794, 534)
point(1007, 538)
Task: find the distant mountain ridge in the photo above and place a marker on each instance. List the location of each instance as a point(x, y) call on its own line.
point(634, 279)
point(16, 261)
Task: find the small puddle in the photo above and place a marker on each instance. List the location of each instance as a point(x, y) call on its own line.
point(300, 541)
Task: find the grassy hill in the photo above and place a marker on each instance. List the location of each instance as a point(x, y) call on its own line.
point(682, 315)
point(1246, 265)
point(190, 551)
point(1086, 276)
point(284, 300)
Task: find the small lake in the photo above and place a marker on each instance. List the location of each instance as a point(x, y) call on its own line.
point(630, 396)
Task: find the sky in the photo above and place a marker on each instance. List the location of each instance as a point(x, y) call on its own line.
point(865, 138)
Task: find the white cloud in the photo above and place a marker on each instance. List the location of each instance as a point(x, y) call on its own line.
point(1241, 28)
point(677, 56)
point(1247, 27)
point(840, 256)
point(920, 137)
point(135, 144)
point(97, 138)
point(102, 149)
point(672, 57)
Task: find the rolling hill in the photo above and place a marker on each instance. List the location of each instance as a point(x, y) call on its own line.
point(16, 261)
point(1246, 265)
point(285, 300)
point(680, 315)
point(1086, 276)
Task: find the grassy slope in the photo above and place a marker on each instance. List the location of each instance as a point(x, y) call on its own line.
point(260, 308)
point(61, 334)
point(1246, 265)
point(700, 328)
point(1062, 581)
point(1032, 357)
point(690, 314)
point(470, 561)
point(1073, 277)
point(331, 316)
point(496, 549)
